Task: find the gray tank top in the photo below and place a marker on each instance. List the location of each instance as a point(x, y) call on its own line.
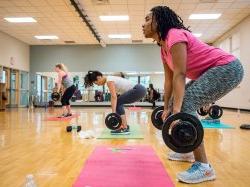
point(66, 82)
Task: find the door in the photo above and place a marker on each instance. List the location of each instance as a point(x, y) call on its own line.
point(24, 89)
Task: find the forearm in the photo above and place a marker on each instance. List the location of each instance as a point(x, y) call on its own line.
point(113, 103)
point(167, 94)
point(178, 91)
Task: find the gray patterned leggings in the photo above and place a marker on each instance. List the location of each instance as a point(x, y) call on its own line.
point(211, 86)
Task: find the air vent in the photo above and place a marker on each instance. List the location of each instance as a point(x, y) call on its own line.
point(136, 41)
point(69, 42)
point(100, 2)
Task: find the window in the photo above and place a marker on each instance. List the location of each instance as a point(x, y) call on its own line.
point(145, 80)
point(133, 80)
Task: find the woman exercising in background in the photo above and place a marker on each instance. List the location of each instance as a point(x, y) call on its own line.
point(213, 74)
point(69, 89)
point(128, 93)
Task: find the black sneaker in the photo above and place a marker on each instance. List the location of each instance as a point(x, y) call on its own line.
point(62, 116)
point(120, 132)
point(67, 115)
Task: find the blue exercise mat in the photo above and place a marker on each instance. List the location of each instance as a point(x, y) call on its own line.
point(209, 124)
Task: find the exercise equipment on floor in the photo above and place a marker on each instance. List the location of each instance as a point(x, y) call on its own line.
point(181, 132)
point(156, 117)
point(71, 128)
point(214, 111)
point(55, 96)
point(245, 126)
point(113, 121)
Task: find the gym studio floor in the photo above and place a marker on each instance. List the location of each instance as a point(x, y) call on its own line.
point(31, 145)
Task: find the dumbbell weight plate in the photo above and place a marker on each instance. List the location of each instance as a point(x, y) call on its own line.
point(113, 121)
point(194, 135)
point(156, 117)
point(202, 112)
point(55, 96)
point(215, 112)
point(69, 128)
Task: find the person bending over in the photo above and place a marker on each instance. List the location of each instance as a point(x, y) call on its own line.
point(213, 73)
point(127, 91)
point(69, 89)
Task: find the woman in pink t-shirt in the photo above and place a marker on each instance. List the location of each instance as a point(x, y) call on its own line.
point(213, 74)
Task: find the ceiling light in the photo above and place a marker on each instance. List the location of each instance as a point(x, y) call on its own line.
point(197, 35)
point(114, 18)
point(159, 72)
point(20, 19)
point(46, 37)
point(204, 16)
point(131, 73)
point(119, 36)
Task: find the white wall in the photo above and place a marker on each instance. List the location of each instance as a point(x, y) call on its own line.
point(240, 47)
point(14, 53)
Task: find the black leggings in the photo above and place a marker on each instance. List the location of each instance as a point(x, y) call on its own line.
point(69, 92)
point(131, 96)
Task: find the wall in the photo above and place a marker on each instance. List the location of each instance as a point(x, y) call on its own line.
point(81, 58)
point(14, 53)
point(239, 97)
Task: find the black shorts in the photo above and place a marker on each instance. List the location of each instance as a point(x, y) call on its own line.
point(69, 92)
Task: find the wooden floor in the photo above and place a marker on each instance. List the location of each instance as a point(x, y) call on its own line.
point(30, 145)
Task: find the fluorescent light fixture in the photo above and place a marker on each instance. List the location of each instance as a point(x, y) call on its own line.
point(114, 18)
point(20, 19)
point(119, 36)
point(159, 72)
point(46, 37)
point(204, 16)
point(131, 73)
point(197, 35)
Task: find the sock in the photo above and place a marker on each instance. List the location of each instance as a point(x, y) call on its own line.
point(206, 165)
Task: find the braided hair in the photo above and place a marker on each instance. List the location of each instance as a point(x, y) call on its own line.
point(91, 77)
point(166, 19)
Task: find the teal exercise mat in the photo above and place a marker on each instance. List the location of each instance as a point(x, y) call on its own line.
point(215, 124)
point(135, 133)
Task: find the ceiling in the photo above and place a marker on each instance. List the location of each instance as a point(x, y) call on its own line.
point(59, 17)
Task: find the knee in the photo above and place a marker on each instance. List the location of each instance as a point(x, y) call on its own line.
point(120, 109)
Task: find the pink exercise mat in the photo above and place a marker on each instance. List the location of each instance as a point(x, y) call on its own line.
point(56, 118)
point(134, 166)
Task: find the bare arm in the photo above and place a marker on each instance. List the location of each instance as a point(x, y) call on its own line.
point(168, 85)
point(179, 57)
point(111, 87)
point(59, 83)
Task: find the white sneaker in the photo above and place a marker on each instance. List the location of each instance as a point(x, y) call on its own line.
point(197, 173)
point(183, 157)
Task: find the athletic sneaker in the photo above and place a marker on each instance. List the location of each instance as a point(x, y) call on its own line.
point(120, 132)
point(62, 116)
point(183, 157)
point(197, 173)
point(68, 115)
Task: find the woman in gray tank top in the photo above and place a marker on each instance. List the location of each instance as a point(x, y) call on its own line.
point(69, 89)
point(127, 91)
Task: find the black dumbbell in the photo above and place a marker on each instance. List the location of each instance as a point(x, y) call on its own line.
point(156, 117)
point(55, 96)
point(71, 127)
point(113, 121)
point(215, 112)
point(202, 112)
point(185, 135)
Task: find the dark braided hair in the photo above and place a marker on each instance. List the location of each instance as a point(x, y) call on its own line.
point(166, 19)
point(91, 77)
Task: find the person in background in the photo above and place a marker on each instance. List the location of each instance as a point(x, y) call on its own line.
point(153, 95)
point(69, 89)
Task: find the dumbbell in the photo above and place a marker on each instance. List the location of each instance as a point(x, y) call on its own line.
point(184, 136)
point(72, 127)
point(215, 112)
point(113, 121)
point(156, 117)
point(55, 96)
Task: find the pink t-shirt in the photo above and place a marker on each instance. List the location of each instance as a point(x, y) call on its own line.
point(200, 56)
